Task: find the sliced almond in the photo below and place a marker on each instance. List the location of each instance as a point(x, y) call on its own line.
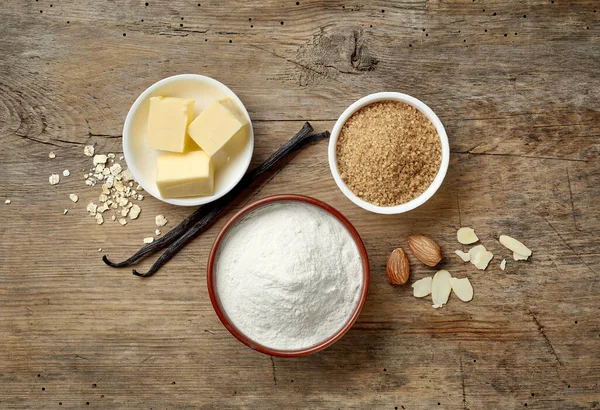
point(462, 288)
point(99, 219)
point(73, 197)
point(54, 179)
point(503, 264)
point(466, 236)
point(519, 257)
point(51, 155)
point(88, 150)
point(422, 287)
point(480, 257)
point(465, 256)
point(148, 239)
point(440, 288)
point(515, 246)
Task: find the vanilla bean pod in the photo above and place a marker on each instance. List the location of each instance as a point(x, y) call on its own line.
point(208, 219)
point(301, 138)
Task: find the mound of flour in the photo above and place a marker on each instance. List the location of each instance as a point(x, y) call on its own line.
point(288, 275)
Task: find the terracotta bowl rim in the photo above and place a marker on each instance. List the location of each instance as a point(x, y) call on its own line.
point(211, 284)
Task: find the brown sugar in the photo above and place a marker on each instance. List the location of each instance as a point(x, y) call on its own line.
point(388, 153)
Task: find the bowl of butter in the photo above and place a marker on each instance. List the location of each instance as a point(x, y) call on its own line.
point(188, 140)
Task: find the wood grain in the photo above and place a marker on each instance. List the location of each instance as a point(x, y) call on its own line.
point(517, 87)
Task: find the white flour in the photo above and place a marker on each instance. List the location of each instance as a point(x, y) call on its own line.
point(289, 275)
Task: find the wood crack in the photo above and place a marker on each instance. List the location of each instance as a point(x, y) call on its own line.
point(289, 60)
point(567, 244)
point(274, 372)
point(571, 199)
point(517, 156)
point(543, 333)
point(462, 376)
point(459, 216)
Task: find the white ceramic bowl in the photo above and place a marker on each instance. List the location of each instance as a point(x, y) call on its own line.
point(389, 96)
point(141, 159)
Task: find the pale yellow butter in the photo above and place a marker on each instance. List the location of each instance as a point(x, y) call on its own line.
point(220, 130)
point(167, 123)
point(185, 175)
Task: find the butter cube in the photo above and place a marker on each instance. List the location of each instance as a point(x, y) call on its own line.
point(167, 123)
point(184, 175)
point(221, 130)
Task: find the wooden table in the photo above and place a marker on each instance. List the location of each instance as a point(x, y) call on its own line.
point(517, 87)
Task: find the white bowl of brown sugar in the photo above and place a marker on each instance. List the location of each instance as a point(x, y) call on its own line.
point(388, 153)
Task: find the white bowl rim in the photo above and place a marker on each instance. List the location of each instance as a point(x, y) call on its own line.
point(135, 172)
point(421, 106)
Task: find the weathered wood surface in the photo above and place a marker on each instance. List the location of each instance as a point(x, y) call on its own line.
point(515, 83)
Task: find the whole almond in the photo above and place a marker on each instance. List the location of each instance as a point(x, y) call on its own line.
point(397, 267)
point(425, 249)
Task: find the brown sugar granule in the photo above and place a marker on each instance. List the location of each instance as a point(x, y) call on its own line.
point(388, 153)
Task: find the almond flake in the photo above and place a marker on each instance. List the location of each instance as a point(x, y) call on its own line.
point(503, 264)
point(99, 219)
point(515, 246)
point(462, 288)
point(102, 208)
point(115, 169)
point(92, 208)
point(65, 211)
point(99, 159)
point(148, 239)
point(51, 155)
point(519, 257)
point(160, 220)
point(140, 197)
point(114, 218)
point(54, 179)
point(105, 189)
point(440, 288)
point(157, 232)
point(103, 197)
point(465, 256)
point(111, 156)
point(124, 211)
point(88, 150)
point(126, 175)
point(106, 171)
point(123, 221)
point(466, 236)
point(73, 197)
point(90, 182)
point(422, 287)
point(480, 257)
point(110, 181)
point(7, 201)
point(134, 212)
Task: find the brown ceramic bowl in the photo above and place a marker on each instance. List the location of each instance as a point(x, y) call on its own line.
point(215, 300)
